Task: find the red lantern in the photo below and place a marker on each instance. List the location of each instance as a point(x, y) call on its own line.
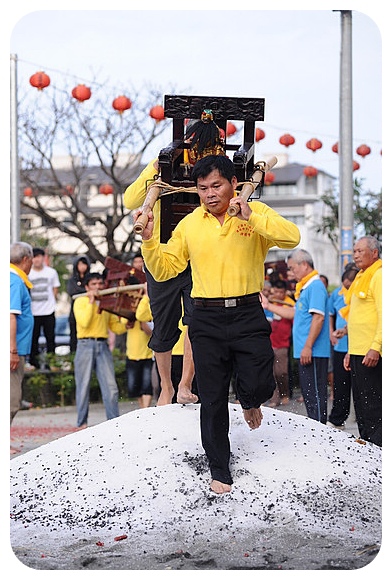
point(310, 171)
point(157, 113)
point(287, 140)
point(121, 104)
point(40, 80)
point(356, 166)
point(68, 190)
point(335, 147)
point(81, 93)
point(106, 189)
point(314, 144)
point(231, 129)
point(269, 178)
point(28, 192)
point(363, 150)
point(259, 134)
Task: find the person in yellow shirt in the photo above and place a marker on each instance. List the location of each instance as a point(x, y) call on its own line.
point(228, 329)
point(139, 356)
point(92, 350)
point(364, 327)
point(166, 299)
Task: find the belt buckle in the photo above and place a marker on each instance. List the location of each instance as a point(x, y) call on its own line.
point(229, 302)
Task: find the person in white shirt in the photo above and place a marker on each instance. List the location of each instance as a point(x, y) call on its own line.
point(44, 293)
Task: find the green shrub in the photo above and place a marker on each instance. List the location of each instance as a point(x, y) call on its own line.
point(54, 384)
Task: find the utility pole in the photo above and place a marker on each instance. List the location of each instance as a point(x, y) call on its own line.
point(346, 189)
point(14, 178)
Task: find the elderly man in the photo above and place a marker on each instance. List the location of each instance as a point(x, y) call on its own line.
point(310, 332)
point(21, 320)
point(364, 327)
point(228, 329)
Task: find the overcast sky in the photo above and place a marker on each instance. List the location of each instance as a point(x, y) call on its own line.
point(289, 57)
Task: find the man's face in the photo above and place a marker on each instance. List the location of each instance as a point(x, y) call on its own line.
point(298, 271)
point(215, 192)
point(279, 293)
point(363, 256)
point(95, 284)
point(26, 264)
point(38, 261)
point(138, 263)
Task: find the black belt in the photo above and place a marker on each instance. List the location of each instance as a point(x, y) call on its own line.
point(227, 302)
point(101, 338)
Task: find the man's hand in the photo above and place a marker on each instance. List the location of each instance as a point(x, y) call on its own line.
point(244, 208)
point(147, 232)
point(371, 358)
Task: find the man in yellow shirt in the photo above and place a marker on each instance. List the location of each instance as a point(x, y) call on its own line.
point(139, 361)
point(228, 329)
point(92, 350)
point(364, 328)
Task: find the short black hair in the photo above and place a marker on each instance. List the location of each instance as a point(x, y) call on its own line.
point(38, 252)
point(207, 164)
point(92, 276)
point(279, 283)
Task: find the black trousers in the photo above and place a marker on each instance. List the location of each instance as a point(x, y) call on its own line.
point(47, 323)
point(366, 383)
point(341, 390)
point(227, 340)
point(313, 380)
point(168, 300)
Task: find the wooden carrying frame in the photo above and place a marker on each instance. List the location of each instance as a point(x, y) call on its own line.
point(171, 159)
point(119, 275)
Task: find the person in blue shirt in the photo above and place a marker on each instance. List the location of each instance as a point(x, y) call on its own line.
point(341, 377)
point(21, 320)
point(311, 344)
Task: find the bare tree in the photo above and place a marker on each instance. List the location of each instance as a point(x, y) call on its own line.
point(101, 146)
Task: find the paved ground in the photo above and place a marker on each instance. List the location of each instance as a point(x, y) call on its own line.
point(35, 427)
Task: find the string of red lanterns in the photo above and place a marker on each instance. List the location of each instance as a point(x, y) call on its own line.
point(40, 80)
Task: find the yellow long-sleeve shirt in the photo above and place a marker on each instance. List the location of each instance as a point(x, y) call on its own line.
point(364, 323)
point(135, 194)
point(137, 339)
point(90, 324)
point(217, 253)
point(144, 314)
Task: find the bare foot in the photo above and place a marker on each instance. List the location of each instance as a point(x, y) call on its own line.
point(253, 417)
point(185, 396)
point(166, 397)
point(219, 487)
point(84, 426)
